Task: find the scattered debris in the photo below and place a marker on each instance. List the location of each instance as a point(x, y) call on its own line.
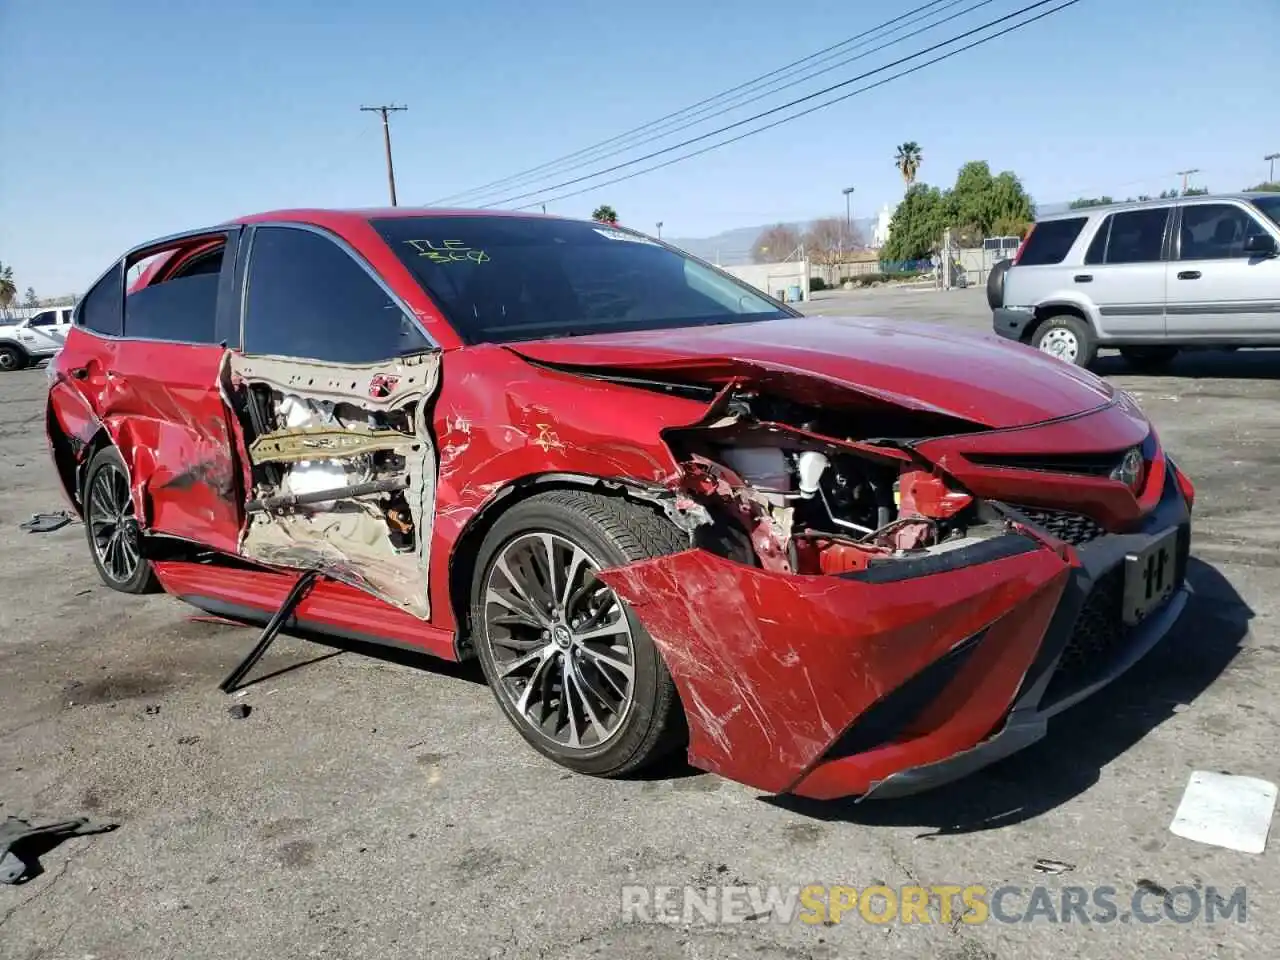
point(239, 711)
point(219, 621)
point(152, 710)
point(21, 844)
point(1150, 886)
point(47, 522)
point(1226, 811)
point(188, 741)
point(1053, 867)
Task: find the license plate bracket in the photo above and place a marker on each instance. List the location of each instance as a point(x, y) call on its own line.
point(1149, 577)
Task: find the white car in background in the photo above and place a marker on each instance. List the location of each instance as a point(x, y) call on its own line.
point(23, 342)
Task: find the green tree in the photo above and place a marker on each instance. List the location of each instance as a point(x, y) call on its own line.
point(978, 201)
point(917, 224)
point(29, 299)
point(8, 289)
point(605, 214)
point(1090, 202)
point(1196, 192)
point(1267, 186)
point(908, 160)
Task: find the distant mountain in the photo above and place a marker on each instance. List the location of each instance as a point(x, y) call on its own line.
point(733, 247)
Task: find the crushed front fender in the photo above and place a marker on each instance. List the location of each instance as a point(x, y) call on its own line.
point(777, 670)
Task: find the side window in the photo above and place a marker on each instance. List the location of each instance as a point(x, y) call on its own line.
point(308, 298)
point(1097, 252)
point(1215, 231)
point(181, 309)
point(1137, 236)
point(46, 319)
point(102, 309)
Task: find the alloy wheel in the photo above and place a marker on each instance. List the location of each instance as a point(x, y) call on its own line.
point(560, 641)
point(1061, 343)
point(112, 524)
point(8, 360)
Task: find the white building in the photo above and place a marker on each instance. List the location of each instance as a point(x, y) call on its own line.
point(880, 234)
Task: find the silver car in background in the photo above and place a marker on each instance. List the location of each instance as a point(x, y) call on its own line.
point(1149, 277)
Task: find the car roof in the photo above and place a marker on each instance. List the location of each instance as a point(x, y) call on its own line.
point(322, 216)
point(1155, 202)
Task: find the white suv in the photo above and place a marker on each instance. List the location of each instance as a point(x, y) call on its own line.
point(25, 341)
point(1149, 278)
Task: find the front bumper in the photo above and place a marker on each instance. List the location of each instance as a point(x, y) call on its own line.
point(887, 684)
point(1011, 322)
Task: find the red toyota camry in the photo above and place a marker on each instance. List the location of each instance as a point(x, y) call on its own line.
point(827, 556)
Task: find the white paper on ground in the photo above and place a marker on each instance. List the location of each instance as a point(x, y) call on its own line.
point(1226, 811)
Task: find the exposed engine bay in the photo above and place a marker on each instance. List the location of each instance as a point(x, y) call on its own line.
point(807, 500)
point(342, 470)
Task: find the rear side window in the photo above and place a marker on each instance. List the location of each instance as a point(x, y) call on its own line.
point(309, 298)
point(1133, 237)
point(1050, 241)
point(182, 309)
point(1215, 231)
point(102, 310)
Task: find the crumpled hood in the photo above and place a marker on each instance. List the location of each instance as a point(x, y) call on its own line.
point(976, 377)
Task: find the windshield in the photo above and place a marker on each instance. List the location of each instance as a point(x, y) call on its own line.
point(500, 279)
point(1270, 206)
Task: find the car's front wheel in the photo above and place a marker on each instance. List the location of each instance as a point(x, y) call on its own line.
point(1068, 338)
point(111, 525)
point(568, 662)
point(11, 358)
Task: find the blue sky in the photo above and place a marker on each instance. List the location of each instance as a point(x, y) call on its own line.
point(123, 121)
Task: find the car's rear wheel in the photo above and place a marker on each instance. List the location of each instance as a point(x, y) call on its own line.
point(1149, 358)
point(11, 358)
point(111, 526)
point(1068, 338)
point(568, 662)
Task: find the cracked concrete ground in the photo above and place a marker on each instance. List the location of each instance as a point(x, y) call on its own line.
point(378, 808)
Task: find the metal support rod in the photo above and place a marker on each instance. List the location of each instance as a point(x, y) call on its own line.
point(322, 496)
point(295, 596)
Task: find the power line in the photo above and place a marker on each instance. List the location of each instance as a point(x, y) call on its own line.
point(816, 107)
point(685, 110)
point(776, 86)
point(797, 101)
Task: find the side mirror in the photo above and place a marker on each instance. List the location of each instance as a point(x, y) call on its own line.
point(1260, 245)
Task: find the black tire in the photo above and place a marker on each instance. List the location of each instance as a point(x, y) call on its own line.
point(11, 358)
point(1055, 330)
point(1149, 358)
point(106, 467)
point(611, 531)
point(995, 284)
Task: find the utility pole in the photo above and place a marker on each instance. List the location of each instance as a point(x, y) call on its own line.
point(849, 227)
point(386, 139)
point(1184, 174)
point(1271, 159)
point(659, 226)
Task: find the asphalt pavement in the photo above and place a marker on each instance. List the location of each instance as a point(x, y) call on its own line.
point(384, 808)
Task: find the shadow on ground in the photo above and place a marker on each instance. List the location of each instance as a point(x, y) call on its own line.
point(1201, 364)
point(1082, 740)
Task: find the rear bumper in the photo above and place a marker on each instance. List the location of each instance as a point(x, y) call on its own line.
point(1010, 322)
point(884, 686)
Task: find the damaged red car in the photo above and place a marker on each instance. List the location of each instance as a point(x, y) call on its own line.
point(827, 556)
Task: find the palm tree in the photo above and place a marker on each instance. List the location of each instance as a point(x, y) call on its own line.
point(605, 214)
point(8, 289)
point(908, 161)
